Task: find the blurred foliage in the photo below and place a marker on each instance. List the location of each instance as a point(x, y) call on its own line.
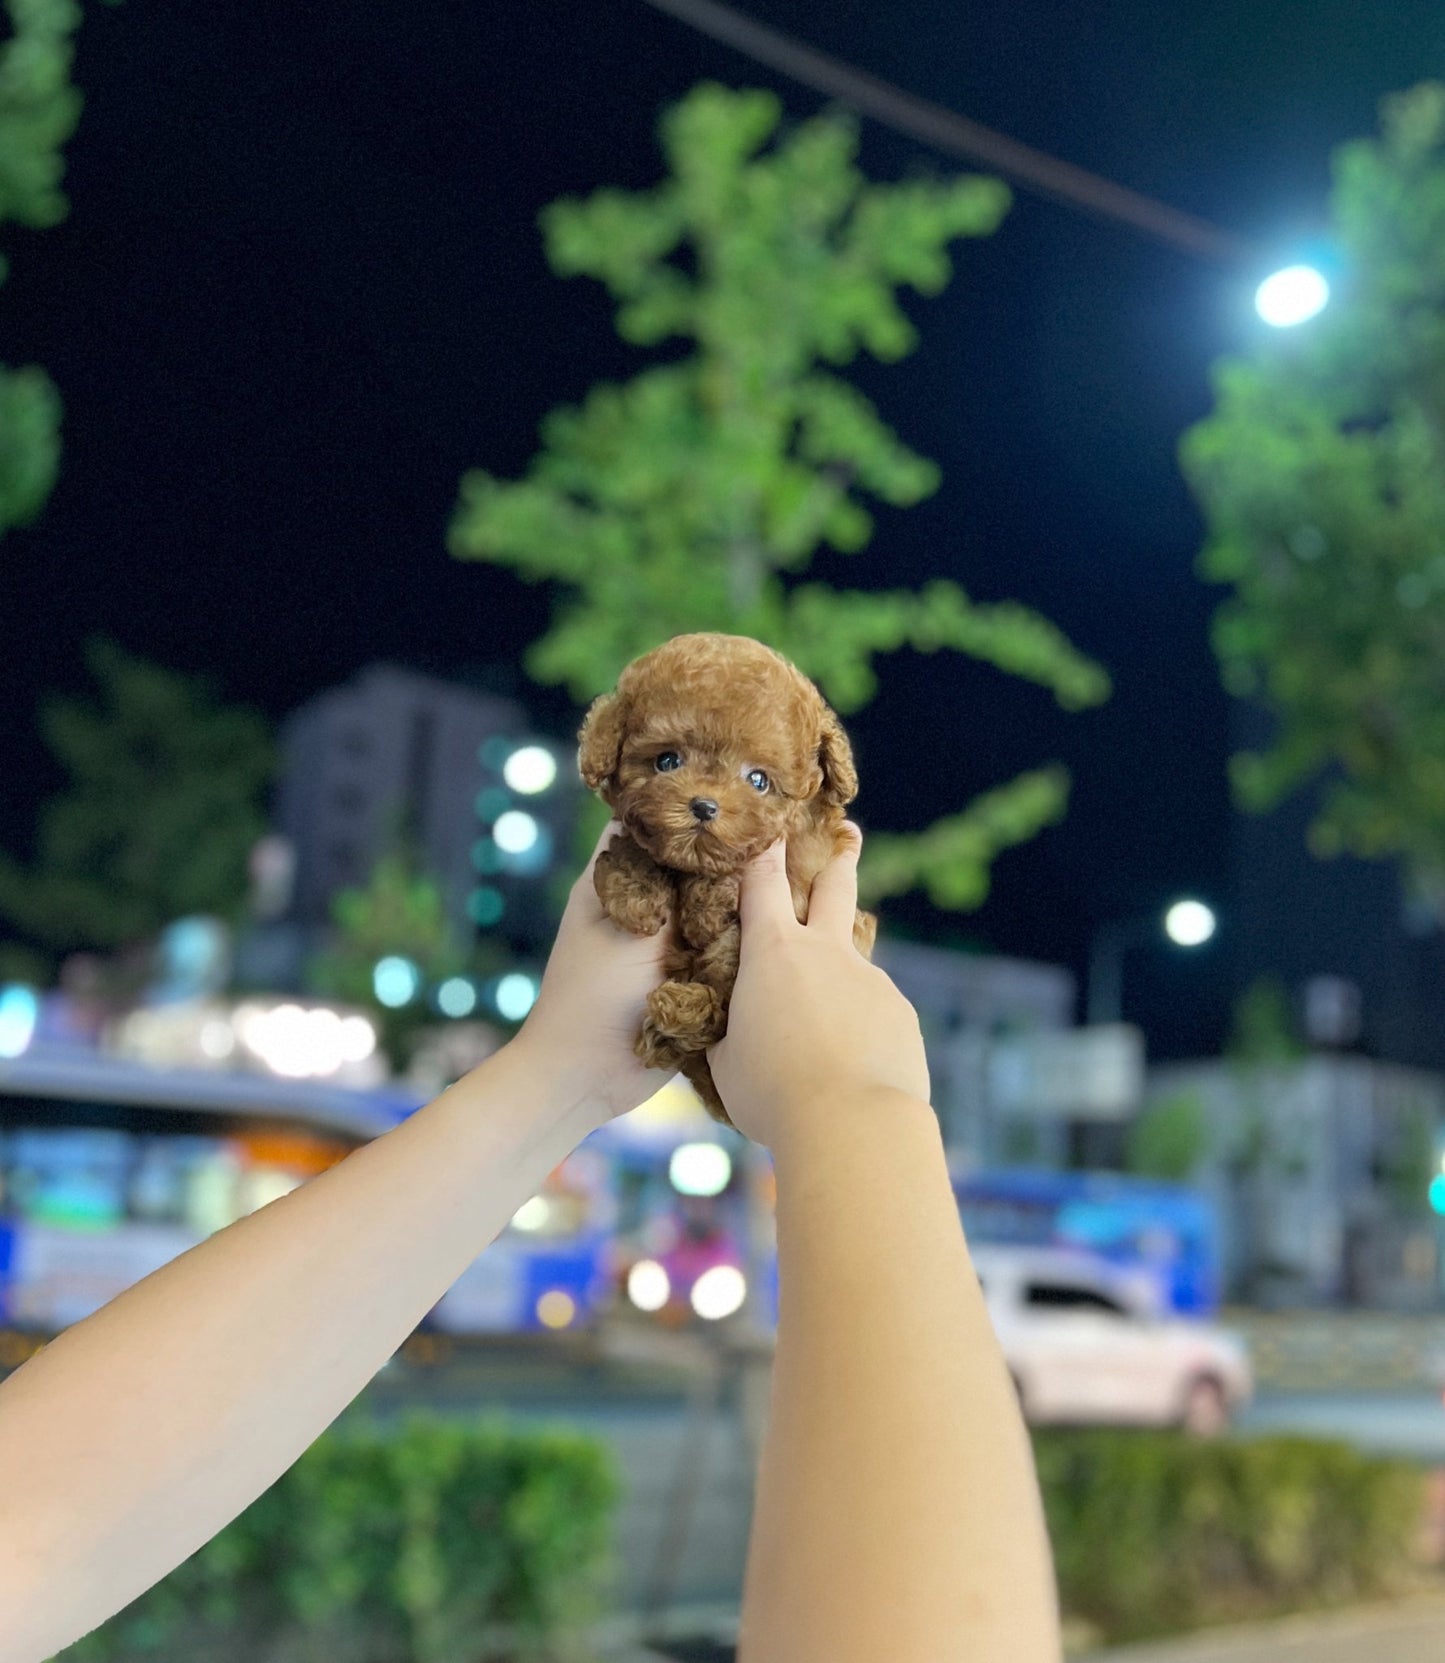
point(38, 111)
point(952, 859)
point(1262, 1052)
point(690, 497)
point(1321, 474)
point(400, 910)
point(433, 1543)
point(163, 806)
point(1263, 1028)
point(1409, 1162)
point(1169, 1139)
point(1156, 1533)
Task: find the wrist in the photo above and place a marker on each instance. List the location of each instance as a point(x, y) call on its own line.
point(517, 1097)
point(560, 1097)
point(831, 1118)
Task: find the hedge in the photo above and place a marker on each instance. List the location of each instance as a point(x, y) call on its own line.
point(1156, 1533)
point(448, 1542)
point(431, 1542)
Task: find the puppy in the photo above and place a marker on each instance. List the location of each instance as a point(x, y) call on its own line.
point(712, 748)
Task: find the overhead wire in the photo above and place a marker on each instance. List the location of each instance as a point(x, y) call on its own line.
point(953, 134)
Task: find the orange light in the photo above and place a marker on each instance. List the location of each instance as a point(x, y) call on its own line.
point(556, 1309)
point(293, 1150)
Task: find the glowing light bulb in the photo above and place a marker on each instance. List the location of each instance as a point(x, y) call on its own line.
point(1292, 296)
point(1189, 923)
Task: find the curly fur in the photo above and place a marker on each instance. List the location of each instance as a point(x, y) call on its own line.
point(726, 705)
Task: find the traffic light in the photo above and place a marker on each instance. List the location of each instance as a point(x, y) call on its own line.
point(509, 996)
point(525, 805)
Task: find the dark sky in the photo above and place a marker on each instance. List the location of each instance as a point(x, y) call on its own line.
point(301, 290)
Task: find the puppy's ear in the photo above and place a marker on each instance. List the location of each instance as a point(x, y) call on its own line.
point(600, 741)
point(835, 758)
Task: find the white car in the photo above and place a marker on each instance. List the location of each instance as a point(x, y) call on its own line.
point(1086, 1342)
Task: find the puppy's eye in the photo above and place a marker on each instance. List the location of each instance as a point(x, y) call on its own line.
point(668, 761)
point(757, 779)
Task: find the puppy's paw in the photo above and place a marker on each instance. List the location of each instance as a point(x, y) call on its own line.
point(636, 900)
point(655, 1050)
point(690, 1013)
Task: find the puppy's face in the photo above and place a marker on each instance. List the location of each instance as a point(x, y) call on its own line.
point(699, 797)
point(712, 748)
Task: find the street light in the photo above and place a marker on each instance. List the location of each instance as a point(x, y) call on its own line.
point(1189, 923)
point(1186, 922)
point(1292, 296)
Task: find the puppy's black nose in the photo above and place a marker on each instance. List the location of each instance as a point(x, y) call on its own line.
point(704, 808)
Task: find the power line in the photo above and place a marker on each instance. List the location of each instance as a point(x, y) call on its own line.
point(954, 134)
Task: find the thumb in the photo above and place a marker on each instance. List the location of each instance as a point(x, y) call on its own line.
point(766, 897)
point(833, 904)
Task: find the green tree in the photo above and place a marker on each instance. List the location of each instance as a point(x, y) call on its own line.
point(1409, 1161)
point(693, 496)
point(1169, 1139)
point(162, 808)
point(400, 911)
point(1263, 1028)
point(1263, 1051)
point(1321, 475)
point(38, 111)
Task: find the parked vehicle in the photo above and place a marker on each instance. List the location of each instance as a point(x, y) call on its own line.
point(1091, 1343)
point(1170, 1230)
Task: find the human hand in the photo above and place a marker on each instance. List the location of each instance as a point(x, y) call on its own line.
point(579, 1033)
point(812, 1024)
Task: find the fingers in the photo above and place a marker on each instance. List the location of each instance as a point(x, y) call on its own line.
point(767, 897)
point(834, 899)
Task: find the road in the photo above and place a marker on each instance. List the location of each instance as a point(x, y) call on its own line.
point(1410, 1424)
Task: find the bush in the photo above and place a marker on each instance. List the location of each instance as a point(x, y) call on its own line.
point(1155, 1533)
point(439, 1542)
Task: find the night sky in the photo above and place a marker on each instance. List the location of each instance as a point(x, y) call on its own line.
point(301, 290)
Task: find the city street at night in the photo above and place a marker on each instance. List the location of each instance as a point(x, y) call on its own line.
point(722, 860)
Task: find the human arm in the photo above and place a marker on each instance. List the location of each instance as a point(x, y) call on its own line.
point(897, 1512)
point(136, 1435)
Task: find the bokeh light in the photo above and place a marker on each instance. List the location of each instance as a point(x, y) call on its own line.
point(530, 769)
point(515, 996)
point(1292, 296)
point(515, 832)
point(456, 997)
point(485, 905)
point(1189, 923)
point(719, 1292)
point(19, 1012)
point(556, 1309)
point(648, 1286)
point(700, 1169)
point(395, 981)
point(533, 1214)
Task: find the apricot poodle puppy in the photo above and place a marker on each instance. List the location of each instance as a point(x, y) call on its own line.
point(712, 748)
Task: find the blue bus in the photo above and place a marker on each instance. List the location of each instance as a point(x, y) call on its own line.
point(1169, 1230)
point(110, 1167)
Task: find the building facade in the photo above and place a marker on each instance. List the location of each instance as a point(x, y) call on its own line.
point(1362, 958)
point(394, 759)
point(1320, 1174)
point(1013, 1079)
